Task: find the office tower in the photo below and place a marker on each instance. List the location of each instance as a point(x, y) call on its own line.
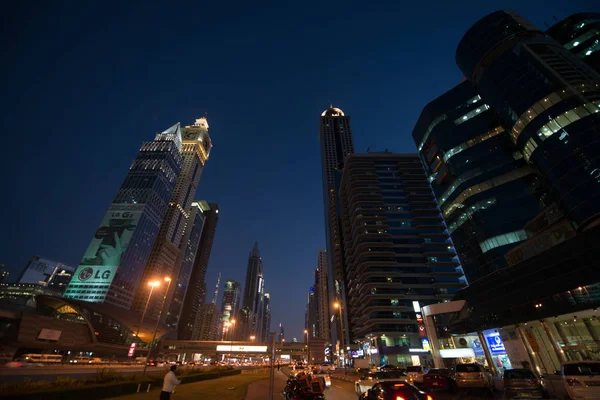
point(113, 265)
point(51, 274)
point(196, 293)
point(312, 314)
point(207, 322)
point(267, 318)
point(322, 295)
point(253, 291)
point(478, 177)
point(579, 34)
point(335, 136)
point(532, 222)
point(230, 305)
point(281, 337)
point(185, 262)
point(196, 146)
point(399, 254)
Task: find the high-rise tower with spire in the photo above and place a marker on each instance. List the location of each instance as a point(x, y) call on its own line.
point(252, 306)
point(196, 146)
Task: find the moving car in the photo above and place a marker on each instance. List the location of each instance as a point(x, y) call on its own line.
point(387, 367)
point(328, 366)
point(521, 383)
point(394, 390)
point(581, 379)
point(473, 376)
point(439, 379)
point(367, 381)
point(415, 373)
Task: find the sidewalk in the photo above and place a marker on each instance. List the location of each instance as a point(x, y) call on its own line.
point(260, 390)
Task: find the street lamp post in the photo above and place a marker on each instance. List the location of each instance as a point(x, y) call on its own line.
point(168, 280)
point(307, 350)
point(152, 285)
point(252, 338)
point(339, 307)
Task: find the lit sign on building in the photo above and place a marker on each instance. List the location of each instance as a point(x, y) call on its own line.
point(495, 343)
point(418, 351)
point(425, 343)
point(416, 306)
point(457, 353)
point(131, 350)
point(242, 349)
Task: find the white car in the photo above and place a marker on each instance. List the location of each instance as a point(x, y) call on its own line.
point(473, 375)
point(367, 381)
point(581, 379)
point(322, 374)
point(328, 366)
point(415, 374)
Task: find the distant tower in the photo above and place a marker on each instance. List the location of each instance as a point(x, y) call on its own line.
point(111, 269)
point(253, 293)
point(281, 333)
point(214, 300)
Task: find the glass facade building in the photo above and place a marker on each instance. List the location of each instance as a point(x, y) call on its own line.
point(230, 305)
point(485, 188)
point(196, 292)
point(114, 263)
point(190, 242)
point(398, 253)
point(51, 274)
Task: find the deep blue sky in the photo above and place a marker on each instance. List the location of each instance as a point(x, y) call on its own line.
point(84, 85)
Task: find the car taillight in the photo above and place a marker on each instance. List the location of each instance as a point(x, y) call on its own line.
point(573, 382)
point(399, 398)
point(481, 374)
point(429, 397)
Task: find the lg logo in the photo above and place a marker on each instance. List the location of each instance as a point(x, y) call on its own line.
point(88, 272)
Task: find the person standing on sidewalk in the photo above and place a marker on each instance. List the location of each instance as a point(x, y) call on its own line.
point(169, 384)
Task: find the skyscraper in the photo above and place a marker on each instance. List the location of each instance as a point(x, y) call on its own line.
point(281, 336)
point(399, 256)
point(253, 292)
point(230, 306)
point(184, 264)
point(335, 136)
point(196, 293)
point(207, 322)
point(195, 150)
point(113, 265)
point(312, 314)
point(322, 295)
point(267, 318)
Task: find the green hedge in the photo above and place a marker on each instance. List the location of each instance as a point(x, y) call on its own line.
point(101, 391)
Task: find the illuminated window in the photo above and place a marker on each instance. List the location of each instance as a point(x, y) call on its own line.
point(566, 118)
point(472, 142)
point(503, 240)
point(471, 114)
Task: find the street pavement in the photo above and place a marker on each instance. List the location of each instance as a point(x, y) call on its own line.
point(260, 390)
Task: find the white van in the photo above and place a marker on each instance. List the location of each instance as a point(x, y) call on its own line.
point(581, 379)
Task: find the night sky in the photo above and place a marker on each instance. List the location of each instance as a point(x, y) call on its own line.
point(84, 85)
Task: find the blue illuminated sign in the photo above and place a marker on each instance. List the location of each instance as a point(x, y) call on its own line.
point(495, 344)
point(477, 347)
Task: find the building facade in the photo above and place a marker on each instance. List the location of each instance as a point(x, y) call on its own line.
point(253, 305)
point(335, 137)
point(185, 262)
point(230, 306)
point(398, 253)
point(113, 265)
point(207, 322)
point(196, 146)
point(54, 275)
point(312, 314)
point(322, 294)
point(196, 292)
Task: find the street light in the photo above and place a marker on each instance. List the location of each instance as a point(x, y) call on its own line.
point(252, 338)
point(307, 352)
point(232, 328)
point(168, 280)
point(152, 285)
point(338, 306)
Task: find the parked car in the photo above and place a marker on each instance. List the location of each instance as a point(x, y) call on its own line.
point(473, 376)
point(415, 373)
point(367, 381)
point(522, 383)
point(439, 379)
point(581, 379)
point(387, 367)
point(393, 390)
